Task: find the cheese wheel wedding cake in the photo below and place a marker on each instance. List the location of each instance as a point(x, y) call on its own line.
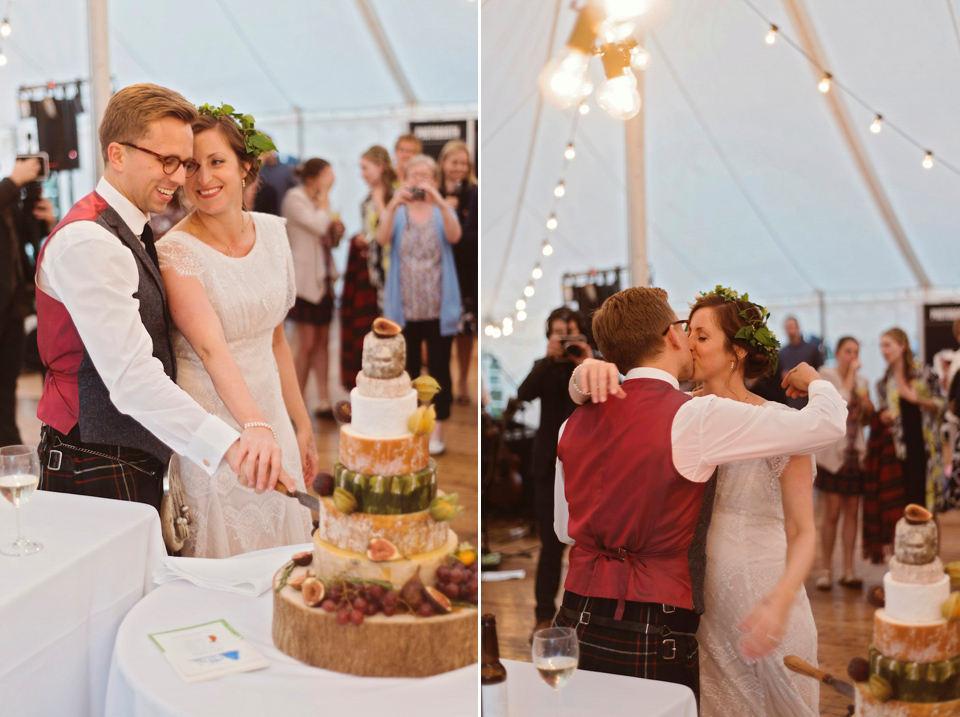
point(387, 590)
point(915, 656)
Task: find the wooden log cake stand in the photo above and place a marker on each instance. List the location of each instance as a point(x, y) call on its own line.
point(401, 645)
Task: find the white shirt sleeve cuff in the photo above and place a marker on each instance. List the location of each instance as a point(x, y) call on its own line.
point(210, 442)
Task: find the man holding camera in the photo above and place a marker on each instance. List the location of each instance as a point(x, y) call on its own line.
point(548, 380)
point(16, 299)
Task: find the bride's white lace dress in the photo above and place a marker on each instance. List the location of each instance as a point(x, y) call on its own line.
point(746, 557)
point(251, 296)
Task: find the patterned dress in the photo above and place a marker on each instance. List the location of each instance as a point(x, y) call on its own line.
point(251, 296)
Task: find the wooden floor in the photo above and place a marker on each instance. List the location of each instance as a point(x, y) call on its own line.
point(844, 618)
point(456, 469)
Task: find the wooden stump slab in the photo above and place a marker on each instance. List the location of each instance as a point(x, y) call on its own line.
point(381, 646)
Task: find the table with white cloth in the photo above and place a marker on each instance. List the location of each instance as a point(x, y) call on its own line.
point(143, 684)
point(60, 609)
point(591, 694)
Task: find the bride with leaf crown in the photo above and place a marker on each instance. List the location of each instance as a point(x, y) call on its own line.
point(762, 536)
point(229, 279)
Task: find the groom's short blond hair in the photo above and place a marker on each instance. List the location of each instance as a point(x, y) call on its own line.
point(130, 112)
point(629, 326)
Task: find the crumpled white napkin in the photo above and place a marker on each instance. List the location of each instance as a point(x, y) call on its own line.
point(247, 574)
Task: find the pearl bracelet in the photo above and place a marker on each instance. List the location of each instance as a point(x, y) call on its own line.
point(576, 387)
point(260, 424)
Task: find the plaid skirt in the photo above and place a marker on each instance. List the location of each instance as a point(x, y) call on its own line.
point(670, 657)
point(307, 312)
point(67, 465)
point(845, 481)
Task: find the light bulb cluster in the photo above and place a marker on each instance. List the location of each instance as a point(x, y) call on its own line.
point(607, 29)
point(5, 31)
point(505, 326)
point(827, 83)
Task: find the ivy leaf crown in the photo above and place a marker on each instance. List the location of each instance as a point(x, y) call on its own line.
point(256, 142)
point(756, 332)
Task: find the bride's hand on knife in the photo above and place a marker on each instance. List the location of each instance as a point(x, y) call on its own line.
point(309, 461)
point(763, 629)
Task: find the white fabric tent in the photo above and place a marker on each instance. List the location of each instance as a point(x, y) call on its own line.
point(750, 181)
point(350, 73)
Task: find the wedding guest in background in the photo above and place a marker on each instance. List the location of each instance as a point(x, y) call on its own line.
point(313, 231)
point(840, 467)
point(795, 351)
point(421, 291)
point(407, 147)
point(279, 175)
point(382, 178)
point(910, 403)
point(458, 185)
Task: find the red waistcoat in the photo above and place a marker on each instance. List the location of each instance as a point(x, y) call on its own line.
point(632, 515)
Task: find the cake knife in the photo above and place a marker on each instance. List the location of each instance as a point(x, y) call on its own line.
point(306, 500)
point(805, 668)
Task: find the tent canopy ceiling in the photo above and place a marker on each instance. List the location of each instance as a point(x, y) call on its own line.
point(749, 179)
point(264, 57)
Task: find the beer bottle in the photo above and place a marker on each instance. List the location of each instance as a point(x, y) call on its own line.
point(493, 675)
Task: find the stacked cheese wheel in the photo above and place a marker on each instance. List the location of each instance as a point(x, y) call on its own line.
point(915, 656)
point(390, 538)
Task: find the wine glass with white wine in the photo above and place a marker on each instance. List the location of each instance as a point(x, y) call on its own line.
point(19, 476)
point(556, 652)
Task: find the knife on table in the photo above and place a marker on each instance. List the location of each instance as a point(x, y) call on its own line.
point(305, 499)
point(805, 668)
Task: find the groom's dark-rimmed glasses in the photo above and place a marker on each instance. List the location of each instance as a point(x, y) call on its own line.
point(684, 325)
point(170, 164)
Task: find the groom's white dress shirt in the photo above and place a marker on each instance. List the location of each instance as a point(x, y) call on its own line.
point(708, 431)
point(89, 271)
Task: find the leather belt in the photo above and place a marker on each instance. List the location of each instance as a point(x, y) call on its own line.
point(585, 618)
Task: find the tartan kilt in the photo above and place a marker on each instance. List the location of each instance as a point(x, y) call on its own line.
point(98, 470)
point(633, 654)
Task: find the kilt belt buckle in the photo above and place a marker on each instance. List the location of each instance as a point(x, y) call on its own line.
point(54, 460)
point(584, 618)
point(667, 609)
point(672, 647)
point(622, 555)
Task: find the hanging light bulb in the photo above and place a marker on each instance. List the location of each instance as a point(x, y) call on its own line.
point(537, 272)
point(584, 108)
point(877, 125)
point(928, 161)
point(570, 152)
point(488, 330)
point(618, 11)
point(559, 190)
point(564, 80)
point(617, 95)
point(552, 222)
point(772, 35)
point(3, 59)
point(507, 321)
point(521, 304)
point(496, 332)
point(547, 249)
point(507, 328)
point(528, 290)
point(824, 85)
point(521, 315)
point(5, 28)
point(639, 58)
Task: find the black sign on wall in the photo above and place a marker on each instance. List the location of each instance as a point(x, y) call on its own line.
point(433, 135)
point(938, 328)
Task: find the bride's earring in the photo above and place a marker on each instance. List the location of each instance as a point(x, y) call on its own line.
point(243, 183)
point(732, 364)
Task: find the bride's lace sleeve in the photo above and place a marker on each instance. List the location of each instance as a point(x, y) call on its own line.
point(174, 255)
point(291, 296)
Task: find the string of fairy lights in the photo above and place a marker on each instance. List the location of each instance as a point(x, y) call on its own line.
point(505, 327)
point(5, 30)
point(564, 80)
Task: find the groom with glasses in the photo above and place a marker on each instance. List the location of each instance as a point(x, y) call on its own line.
point(635, 481)
point(111, 412)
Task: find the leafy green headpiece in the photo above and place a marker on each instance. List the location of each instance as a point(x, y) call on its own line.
point(756, 332)
point(256, 141)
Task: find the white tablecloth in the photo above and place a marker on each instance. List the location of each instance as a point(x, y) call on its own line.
point(592, 694)
point(143, 684)
point(60, 608)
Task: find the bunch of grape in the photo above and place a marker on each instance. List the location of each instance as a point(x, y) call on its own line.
point(458, 581)
point(352, 601)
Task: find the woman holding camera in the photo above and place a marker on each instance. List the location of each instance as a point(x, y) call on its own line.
point(421, 292)
point(312, 232)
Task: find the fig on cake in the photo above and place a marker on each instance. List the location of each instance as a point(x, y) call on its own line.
point(313, 592)
point(381, 550)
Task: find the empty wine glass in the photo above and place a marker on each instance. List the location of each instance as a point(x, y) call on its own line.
point(556, 652)
point(19, 476)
